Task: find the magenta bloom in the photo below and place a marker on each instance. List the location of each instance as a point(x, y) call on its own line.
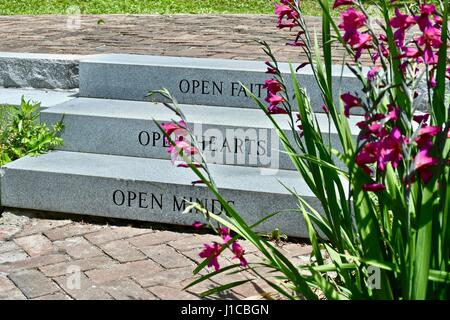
point(170, 128)
point(271, 69)
point(424, 19)
point(212, 252)
point(387, 150)
point(181, 146)
point(276, 110)
point(430, 131)
point(286, 15)
point(424, 164)
point(198, 225)
point(360, 41)
point(273, 99)
point(225, 234)
point(339, 3)
point(421, 118)
point(273, 86)
point(352, 20)
point(391, 150)
point(431, 39)
point(239, 253)
point(373, 72)
point(296, 44)
point(367, 155)
point(393, 113)
point(185, 165)
point(424, 160)
point(412, 53)
point(350, 101)
point(402, 22)
point(374, 187)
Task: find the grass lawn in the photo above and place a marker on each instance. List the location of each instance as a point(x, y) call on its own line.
point(9, 7)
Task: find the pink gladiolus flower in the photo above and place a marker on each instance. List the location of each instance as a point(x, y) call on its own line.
point(394, 113)
point(387, 150)
point(373, 72)
point(339, 3)
point(170, 128)
point(212, 251)
point(421, 118)
point(391, 150)
point(198, 225)
point(273, 86)
point(424, 160)
point(274, 99)
point(296, 44)
point(181, 146)
point(350, 101)
point(325, 108)
point(225, 234)
point(431, 39)
point(424, 19)
point(276, 110)
point(185, 165)
point(352, 20)
point(286, 12)
point(239, 253)
point(361, 41)
point(424, 164)
point(427, 9)
point(430, 131)
point(412, 53)
point(367, 155)
point(374, 187)
point(370, 129)
point(271, 69)
point(402, 22)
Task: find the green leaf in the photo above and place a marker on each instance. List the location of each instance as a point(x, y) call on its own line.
point(224, 287)
point(439, 276)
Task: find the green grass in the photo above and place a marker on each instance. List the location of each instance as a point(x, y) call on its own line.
point(11, 7)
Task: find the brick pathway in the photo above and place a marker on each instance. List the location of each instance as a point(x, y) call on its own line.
point(215, 36)
point(57, 258)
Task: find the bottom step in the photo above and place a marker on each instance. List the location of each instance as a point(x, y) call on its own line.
point(148, 189)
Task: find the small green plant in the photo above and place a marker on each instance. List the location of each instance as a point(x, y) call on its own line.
point(21, 133)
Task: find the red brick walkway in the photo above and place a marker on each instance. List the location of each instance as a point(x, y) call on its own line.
point(43, 258)
point(215, 36)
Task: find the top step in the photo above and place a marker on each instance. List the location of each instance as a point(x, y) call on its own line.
point(196, 81)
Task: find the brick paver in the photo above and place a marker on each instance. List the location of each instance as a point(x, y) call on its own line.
point(33, 283)
point(213, 36)
point(51, 259)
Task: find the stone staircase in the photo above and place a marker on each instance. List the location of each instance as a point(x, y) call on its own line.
point(114, 162)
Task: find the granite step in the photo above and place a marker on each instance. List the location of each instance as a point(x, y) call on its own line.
point(197, 81)
point(148, 189)
point(46, 97)
point(226, 135)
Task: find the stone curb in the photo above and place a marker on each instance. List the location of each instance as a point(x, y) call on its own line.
point(43, 71)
